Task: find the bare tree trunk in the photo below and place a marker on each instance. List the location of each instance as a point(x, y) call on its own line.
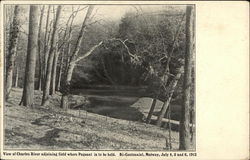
point(71, 65)
point(69, 29)
point(28, 91)
point(165, 77)
point(66, 86)
point(171, 90)
point(46, 43)
point(68, 47)
point(58, 83)
point(185, 139)
point(12, 50)
point(151, 111)
point(54, 71)
point(8, 28)
point(39, 84)
point(67, 58)
point(16, 77)
point(50, 59)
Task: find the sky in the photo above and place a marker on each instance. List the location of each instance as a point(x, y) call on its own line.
point(100, 12)
point(116, 12)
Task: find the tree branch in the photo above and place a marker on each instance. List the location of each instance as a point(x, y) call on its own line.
point(123, 43)
point(96, 46)
point(88, 53)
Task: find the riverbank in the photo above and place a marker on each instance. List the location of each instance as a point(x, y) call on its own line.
point(51, 128)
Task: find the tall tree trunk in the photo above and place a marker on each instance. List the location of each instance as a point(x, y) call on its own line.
point(64, 46)
point(16, 77)
point(171, 90)
point(71, 65)
point(151, 111)
point(58, 82)
point(165, 77)
point(66, 86)
point(46, 43)
point(8, 28)
point(12, 49)
point(68, 47)
point(28, 91)
point(185, 138)
point(54, 71)
point(50, 59)
point(39, 84)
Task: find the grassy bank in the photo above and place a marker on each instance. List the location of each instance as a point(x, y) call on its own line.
point(50, 127)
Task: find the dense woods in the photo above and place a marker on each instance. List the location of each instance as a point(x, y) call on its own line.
point(70, 47)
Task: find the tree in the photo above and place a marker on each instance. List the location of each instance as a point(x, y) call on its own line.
point(170, 91)
point(46, 44)
point(14, 33)
point(39, 50)
point(164, 84)
point(185, 139)
point(151, 110)
point(54, 70)
point(172, 85)
point(60, 50)
point(28, 87)
point(46, 88)
point(72, 60)
point(16, 77)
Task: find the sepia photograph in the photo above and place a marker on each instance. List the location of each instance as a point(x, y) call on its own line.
point(99, 77)
point(124, 80)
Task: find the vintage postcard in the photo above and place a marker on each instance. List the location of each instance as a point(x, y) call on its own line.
point(124, 80)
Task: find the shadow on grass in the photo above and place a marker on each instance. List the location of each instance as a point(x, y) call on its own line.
point(48, 140)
